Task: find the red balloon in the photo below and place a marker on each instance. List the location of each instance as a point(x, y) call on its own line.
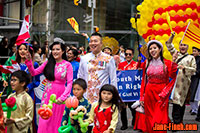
point(186, 17)
point(176, 7)
point(177, 29)
point(198, 9)
point(160, 10)
point(168, 32)
point(169, 8)
point(161, 32)
point(150, 24)
point(160, 21)
point(193, 5)
point(177, 18)
point(199, 20)
point(194, 16)
point(184, 7)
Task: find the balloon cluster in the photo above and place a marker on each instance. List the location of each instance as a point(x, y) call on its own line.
point(45, 111)
point(153, 20)
point(76, 113)
point(9, 106)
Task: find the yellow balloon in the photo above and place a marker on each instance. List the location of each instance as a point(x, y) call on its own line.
point(171, 2)
point(156, 27)
point(173, 24)
point(157, 16)
point(163, 42)
point(132, 20)
point(189, 20)
point(178, 39)
point(188, 11)
point(164, 15)
point(158, 37)
point(172, 13)
point(165, 37)
point(167, 55)
point(181, 24)
point(180, 12)
point(165, 26)
point(139, 7)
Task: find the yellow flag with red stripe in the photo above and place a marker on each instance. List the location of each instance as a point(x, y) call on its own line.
point(192, 36)
point(74, 24)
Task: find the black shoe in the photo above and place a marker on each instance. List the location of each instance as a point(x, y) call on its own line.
point(193, 113)
point(124, 127)
point(197, 119)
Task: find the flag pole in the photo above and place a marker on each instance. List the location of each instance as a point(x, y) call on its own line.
point(185, 31)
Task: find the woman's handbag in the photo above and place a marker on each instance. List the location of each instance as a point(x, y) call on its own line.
point(138, 107)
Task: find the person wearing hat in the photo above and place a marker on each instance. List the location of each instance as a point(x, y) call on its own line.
point(155, 86)
point(187, 68)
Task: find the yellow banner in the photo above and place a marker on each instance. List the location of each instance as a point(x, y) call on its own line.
point(74, 24)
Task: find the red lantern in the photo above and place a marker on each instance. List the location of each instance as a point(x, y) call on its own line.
point(193, 5)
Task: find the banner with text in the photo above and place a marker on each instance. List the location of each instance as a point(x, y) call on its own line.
point(129, 83)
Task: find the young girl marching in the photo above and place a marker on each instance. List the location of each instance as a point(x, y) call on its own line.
point(104, 113)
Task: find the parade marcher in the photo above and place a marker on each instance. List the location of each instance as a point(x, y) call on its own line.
point(155, 86)
point(22, 50)
point(21, 119)
point(107, 50)
point(37, 51)
point(79, 88)
point(129, 64)
point(57, 71)
point(187, 67)
point(194, 82)
point(4, 50)
point(97, 68)
point(72, 54)
point(104, 113)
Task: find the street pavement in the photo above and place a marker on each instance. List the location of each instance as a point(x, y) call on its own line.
point(188, 119)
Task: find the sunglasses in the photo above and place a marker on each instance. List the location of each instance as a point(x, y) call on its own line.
point(126, 54)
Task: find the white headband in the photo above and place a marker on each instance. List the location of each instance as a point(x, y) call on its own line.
point(154, 41)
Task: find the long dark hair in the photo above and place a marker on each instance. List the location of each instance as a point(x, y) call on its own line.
point(18, 57)
point(161, 55)
point(116, 100)
point(50, 66)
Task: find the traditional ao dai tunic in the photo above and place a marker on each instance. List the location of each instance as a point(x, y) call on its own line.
point(97, 71)
point(183, 77)
point(63, 71)
point(23, 115)
point(157, 86)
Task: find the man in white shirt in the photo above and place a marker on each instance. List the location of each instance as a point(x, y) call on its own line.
point(97, 68)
